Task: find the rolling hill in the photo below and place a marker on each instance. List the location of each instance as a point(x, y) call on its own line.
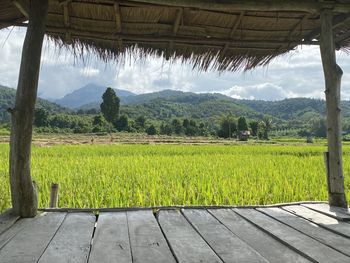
point(7, 98)
point(167, 104)
point(206, 107)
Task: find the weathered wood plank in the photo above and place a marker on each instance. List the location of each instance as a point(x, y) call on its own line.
point(268, 247)
point(72, 241)
point(111, 239)
point(187, 244)
point(30, 242)
point(322, 220)
point(7, 219)
point(6, 236)
point(293, 238)
point(146, 239)
point(336, 212)
point(326, 237)
point(227, 245)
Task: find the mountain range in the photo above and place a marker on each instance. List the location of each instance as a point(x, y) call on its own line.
point(167, 104)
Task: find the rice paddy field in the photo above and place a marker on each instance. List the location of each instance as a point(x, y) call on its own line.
point(120, 175)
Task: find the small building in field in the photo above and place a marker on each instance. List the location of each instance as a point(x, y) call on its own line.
point(243, 135)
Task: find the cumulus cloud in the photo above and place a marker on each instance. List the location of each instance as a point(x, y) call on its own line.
point(265, 91)
point(297, 74)
point(89, 72)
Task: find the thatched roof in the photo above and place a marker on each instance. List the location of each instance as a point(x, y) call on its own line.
point(223, 35)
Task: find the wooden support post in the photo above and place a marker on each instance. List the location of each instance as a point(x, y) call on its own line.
point(333, 74)
point(23, 194)
point(326, 163)
point(54, 195)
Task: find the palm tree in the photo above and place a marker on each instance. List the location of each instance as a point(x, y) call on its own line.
point(266, 126)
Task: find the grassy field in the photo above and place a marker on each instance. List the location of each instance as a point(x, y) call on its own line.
point(151, 175)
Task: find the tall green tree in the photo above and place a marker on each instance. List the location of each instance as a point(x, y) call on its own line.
point(110, 105)
point(177, 127)
point(122, 123)
point(186, 123)
point(165, 129)
point(242, 124)
point(254, 125)
point(140, 122)
point(228, 127)
point(41, 117)
point(98, 120)
point(151, 130)
point(319, 127)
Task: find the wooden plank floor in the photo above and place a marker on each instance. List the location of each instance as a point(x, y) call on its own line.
point(302, 232)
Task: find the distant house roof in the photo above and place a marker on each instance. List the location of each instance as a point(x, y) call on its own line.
point(219, 35)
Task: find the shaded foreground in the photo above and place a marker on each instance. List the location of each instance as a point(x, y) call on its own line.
point(98, 176)
point(289, 233)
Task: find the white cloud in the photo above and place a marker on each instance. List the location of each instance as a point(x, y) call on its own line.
point(89, 72)
point(296, 74)
point(265, 91)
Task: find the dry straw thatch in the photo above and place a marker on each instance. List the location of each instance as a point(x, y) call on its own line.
point(224, 35)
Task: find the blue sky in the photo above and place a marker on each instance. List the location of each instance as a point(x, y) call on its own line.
point(297, 74)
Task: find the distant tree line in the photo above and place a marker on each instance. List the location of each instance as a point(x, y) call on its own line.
point(108, 119)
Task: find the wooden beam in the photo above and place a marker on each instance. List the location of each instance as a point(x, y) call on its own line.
point(118, 23)
point(67, 21)
point(204, 45)
point(338, 21)
point(332, 74)
point(346, 35)
point(22, 6)
point(118, 20)
point(178, 39)
point(294, 29)
point(169, 50)
point(163, 28)
point(157, 29)
point(236, 24)
point(66, 15)
point(308, 6)
point(23, 194)
point(179, 14)
point(63, 2)
point(297, 26)
point(224, 49)
point(342, 38)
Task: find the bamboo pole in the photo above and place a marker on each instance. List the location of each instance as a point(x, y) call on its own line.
point(54, 195)
point(333, 74)
point(23, 194)
point(308, 6)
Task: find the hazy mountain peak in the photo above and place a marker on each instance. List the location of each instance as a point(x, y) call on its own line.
point(90, 93)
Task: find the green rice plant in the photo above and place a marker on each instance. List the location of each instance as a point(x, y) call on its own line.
point(98, 176)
